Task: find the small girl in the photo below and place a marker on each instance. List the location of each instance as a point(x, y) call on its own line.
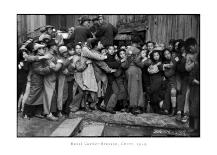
point(144, 62)
point(156, 79)
point(168, 67)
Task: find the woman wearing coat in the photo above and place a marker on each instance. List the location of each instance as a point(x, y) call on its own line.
point(134, 79)
point(38, 70)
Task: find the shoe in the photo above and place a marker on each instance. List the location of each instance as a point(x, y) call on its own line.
point(87, 109)
point(173, 112)
point(179, 117)
point(26, 117)
point(125, 110)
point(164, 112)
point(101, 108)
point(185, 119)
point(111, 111)
point(133, 111)
point(71, 115)
point(50, 117)
point(39, 116)
point(93, 108)
point(138, 111)
point(60, 115)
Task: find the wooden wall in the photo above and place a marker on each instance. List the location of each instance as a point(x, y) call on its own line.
point(161, 28)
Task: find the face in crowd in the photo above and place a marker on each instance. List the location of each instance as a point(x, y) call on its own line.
point(100, 20)
point(50, 30)
point(54, 48)
point(150, 46)
point(156, 56)
point(143, 53)
point(167, 55)
point(111, 50)
point(193, 48)
point(41, 51)
point(170, 47)
point(122, 54)
point(78, 49)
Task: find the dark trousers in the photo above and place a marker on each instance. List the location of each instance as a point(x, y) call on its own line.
point(182, 94)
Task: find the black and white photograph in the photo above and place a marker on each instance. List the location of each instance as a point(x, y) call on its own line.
point(108, 75)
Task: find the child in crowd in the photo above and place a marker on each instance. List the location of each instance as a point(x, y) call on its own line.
point(156, 80)
point(169, 67)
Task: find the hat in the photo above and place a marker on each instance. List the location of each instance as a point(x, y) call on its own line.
point(43, 29)
point(132, 50)
point(49, 26)
point(62, 49)
point(84, 18)
point(37, 46)
point(95, 19)
point(99, 16)
point(44, 36)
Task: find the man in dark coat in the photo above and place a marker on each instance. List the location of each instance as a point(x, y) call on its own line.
point(82, 32)
point(106, 32)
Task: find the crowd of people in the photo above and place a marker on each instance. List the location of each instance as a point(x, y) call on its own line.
point(62, 72)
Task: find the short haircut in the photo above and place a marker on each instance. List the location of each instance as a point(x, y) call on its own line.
point(119, 51)
point(152, 55)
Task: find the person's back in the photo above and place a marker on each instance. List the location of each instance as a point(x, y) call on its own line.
point(81, 34)
point(106, 34)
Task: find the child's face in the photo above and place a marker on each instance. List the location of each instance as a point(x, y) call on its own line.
point(156, 56)
point(193, 48)
point(143, 53)
point(170, 47)
point(41, 51)
point(150, 46)
point(78, 49)
point(111, 50)
point(167, 55)
point(122, 54)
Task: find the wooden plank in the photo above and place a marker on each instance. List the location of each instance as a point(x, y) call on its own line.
point(66, 128)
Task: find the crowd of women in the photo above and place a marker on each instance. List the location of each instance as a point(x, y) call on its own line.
point(88, 72)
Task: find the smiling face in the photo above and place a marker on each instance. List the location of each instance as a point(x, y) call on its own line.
point(122, 54)
point(143, 53)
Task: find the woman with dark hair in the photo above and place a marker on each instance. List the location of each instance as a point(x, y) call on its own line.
point(156, 80)
point(169, 69)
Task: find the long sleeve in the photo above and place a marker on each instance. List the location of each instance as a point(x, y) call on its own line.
point(32, 58)
point(103, 66)
point(112, 62)
point(100, 32)
point(189, 65)
point(140, 63)
point(91, 55)
point(38, 68)
point(125, 64)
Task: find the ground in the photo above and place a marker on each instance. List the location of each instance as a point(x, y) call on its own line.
point(99, 123)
